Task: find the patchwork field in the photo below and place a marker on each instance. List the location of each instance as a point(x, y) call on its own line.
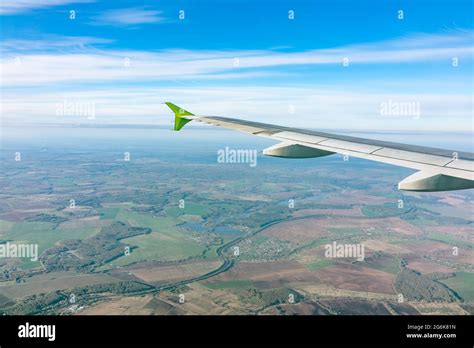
point(165, 273)
point(231, 239)
point(52, 282)
point(356, 278)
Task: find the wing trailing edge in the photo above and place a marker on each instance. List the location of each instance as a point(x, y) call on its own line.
point(437, 169)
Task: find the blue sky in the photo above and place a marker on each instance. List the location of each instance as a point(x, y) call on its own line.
point(240, 58)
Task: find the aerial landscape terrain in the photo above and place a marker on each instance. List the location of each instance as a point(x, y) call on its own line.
point(146, 221)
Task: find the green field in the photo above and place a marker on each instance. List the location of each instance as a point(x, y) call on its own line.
point(155, 246)
point(230, 284)
point(450, 240)
point(313, 266)
point(189, 209)
point(5, 225)
point(462, 284)
point(108, 213)
point(43, 234)
point(380, 211)
point(166, 243)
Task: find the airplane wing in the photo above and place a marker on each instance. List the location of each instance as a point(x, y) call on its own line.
point(438, 170)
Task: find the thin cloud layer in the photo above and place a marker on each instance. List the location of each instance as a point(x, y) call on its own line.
point(128, 86)
point(291, 106)
point(128, 16)
point(99, 66)
point(9, 7)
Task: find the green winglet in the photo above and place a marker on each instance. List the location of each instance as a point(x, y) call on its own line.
point(179, 122)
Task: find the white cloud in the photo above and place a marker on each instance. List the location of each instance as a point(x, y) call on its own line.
point(8, 7)
point(313, 107)
point(34, 82)
point(128, 16)
point(48, 43)
point(99, 66)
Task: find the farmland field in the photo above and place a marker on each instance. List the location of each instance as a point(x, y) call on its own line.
point(132, 237)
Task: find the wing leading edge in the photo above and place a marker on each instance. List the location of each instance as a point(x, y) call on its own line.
point(438, 169)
